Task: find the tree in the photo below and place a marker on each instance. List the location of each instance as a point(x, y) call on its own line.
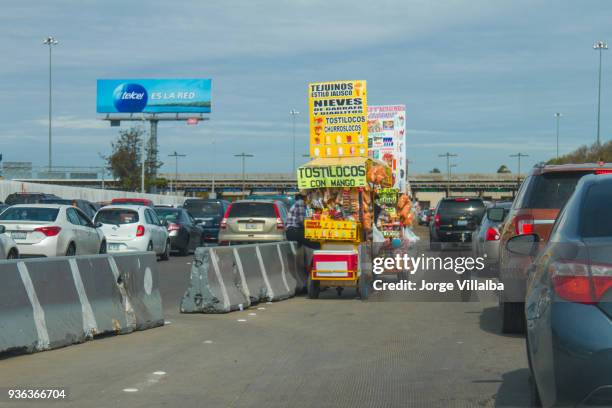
point(503, 169)
point(125, 160)
point(587, 154)
point(435, 170)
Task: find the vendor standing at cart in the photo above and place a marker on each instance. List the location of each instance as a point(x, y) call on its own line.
point(295, 224)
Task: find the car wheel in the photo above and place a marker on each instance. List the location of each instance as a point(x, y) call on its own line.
point(71, 251)
point(314, 288)
point(102, 247)
point(13, 254)
point(513, 317)
point(166, 255)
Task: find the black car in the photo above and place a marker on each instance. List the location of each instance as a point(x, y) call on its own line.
point(208, 213)
point(454, 220)
point(88, 208)
point(27, 198)
point(185, 234)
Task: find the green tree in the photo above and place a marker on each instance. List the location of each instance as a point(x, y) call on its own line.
point(435, 170)
point(587, 154)
point(503, 169)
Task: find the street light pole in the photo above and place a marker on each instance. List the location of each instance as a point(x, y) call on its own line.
point(519, 155)
point(176, 156)
point(50, 41)
point(558, 116)
point(599, 46)
point(448, 172)
point(293, 113)
point(243, 156)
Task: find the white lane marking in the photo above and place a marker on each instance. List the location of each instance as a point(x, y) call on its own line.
point(261, 308)
point(188, 263)
point(39, 313)
point(242, 320)
point(130, 390)
point(268, 303)
point(252, 314)
point(167, 322)
point(245, 287)
point(263, 273)
point(215, 265)
point(159, 372)
point(282, 261)
point(208, 342)
point(90, 326)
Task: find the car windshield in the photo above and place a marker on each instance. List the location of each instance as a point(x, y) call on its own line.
point(29, 214)
point(168, 214)
point(203, 208)
point(117, 216)
point(462, 207)
point(264, 210)
point(552, 190)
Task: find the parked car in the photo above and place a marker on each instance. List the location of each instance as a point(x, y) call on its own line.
point(46, 230)
point(133, 228)
point(569, 301)
point(542, 194)
point(185, 234)
point(8, 247)
point(27, 198)
point(250, 221)
point(485, 238)
point(208, 213)
point(87, 207)
point(132, 201)
point(454, 220)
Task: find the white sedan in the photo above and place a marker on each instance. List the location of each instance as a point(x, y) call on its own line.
point(133, 228)
point(8, 247)
point(46, 230)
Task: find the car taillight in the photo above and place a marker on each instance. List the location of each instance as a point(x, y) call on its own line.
point(223, 224)
point(140, 230)
point(462, 199)
point(603, 171)
point(49, 231)
point(173, 227)
point(437, 221)
point(572, 281)
point(492, 234)
point(523, 225)
point(279, 221)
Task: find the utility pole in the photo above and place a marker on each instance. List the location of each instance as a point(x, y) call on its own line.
point(214, 163)
point(599, 46)
point(50, 41)
point(293, 113)
point(519, 155)
point(558, 116)
point(176, 156)
point(243, 156)
point(448, 171)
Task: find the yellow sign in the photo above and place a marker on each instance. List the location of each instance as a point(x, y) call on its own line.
point(338, 119)
point(339, 175)
point(331, 230)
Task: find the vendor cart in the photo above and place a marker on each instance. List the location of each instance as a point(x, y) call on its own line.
point(339, 215)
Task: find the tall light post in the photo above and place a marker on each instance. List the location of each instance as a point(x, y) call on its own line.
point(243, 156)
point(50, 41)
point(558, 117)
point(518, 156)
point(448, 171)
point(599, 46)
point(176, 156)
point(293, 114)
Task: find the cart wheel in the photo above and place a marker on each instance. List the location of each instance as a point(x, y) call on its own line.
point(313, 288)
point(363, 287)
point(339, 290)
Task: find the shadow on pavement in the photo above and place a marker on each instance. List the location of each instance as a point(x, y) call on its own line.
point(514, 389)
point(490, 321)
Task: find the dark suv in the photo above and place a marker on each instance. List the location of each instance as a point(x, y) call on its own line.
point(28, 198)
point(454, 220)
point(208, 213)
point(542, 194)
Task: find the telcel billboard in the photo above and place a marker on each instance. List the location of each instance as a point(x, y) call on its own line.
point(153, 95)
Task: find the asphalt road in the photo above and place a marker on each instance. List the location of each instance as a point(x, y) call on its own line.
point(330, 352)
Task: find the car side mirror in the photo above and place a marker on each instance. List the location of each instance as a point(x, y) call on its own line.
point(98, 225)
point(163, 223)
point(2, 229)
point(526, 245)
point(496, 214)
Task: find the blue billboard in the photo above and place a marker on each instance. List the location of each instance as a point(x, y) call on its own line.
point(153, 95)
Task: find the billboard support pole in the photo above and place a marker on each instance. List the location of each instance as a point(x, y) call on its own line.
point(153, 158)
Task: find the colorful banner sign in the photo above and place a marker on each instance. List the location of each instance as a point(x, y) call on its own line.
point(353, 175)
point(387, 139)
point(338, 119)
point(153, 95)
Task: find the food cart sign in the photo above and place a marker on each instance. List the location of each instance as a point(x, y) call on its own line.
point(387, 196)
point(338, 119)
point(332, 176)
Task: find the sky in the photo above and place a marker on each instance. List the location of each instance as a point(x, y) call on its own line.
point(479, 79)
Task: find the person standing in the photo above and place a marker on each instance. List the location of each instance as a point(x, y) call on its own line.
point(295, 224)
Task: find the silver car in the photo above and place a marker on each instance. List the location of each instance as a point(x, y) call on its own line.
point(250, 221)
point(485, 239)
point(47, 230)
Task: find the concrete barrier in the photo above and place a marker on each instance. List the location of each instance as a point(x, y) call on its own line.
point(50, 303)
point(224, 279)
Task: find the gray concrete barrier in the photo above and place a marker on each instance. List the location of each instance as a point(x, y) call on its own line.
point(50, 303)
point(224, 279)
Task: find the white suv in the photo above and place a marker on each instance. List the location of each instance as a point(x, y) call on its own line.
point(133, 228)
